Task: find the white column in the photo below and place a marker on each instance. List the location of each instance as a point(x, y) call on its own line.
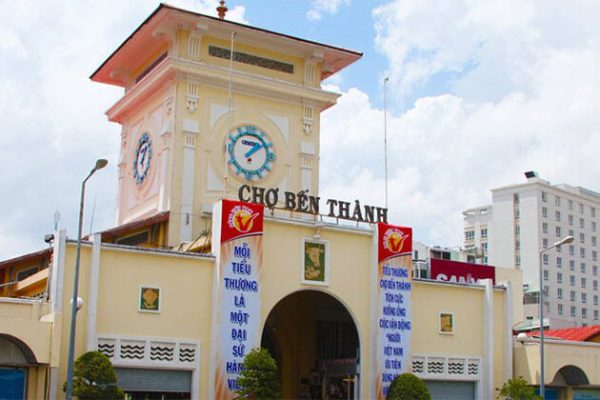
point(58, 270)
point(371, 372)
point(187, 187)
point(487, 380)
point(92, 300)
point(508, 324)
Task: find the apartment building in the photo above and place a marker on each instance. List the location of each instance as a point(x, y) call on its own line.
point(526, 218)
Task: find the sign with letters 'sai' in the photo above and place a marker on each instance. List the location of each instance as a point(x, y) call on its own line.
point(394, 320)
point(238, 249)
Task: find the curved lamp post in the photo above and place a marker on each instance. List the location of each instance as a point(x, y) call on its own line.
point(101, 163)
point(565, 240)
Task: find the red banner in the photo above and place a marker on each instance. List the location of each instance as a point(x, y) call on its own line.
point(460, 272)
point(393, 241)
point(240, 219)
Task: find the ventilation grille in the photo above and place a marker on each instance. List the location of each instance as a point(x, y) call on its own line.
point(148, 352)
point(442, 367)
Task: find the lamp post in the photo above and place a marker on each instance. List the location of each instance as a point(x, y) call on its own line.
point(101, 163)
point(565, 240)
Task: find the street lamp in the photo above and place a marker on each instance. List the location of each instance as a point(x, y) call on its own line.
point(101, 163)
point(565, 240)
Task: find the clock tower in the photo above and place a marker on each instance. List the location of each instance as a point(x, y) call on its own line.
point(210, 105)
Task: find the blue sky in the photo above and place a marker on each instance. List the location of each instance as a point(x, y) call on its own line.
point(479, 92)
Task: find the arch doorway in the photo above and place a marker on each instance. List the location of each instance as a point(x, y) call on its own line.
point(315, 342)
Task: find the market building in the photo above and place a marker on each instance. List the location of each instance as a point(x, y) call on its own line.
point(222, 244)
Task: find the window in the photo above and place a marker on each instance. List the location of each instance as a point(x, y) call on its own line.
point(559, 249)
point(595, 315)
point(558, 231)
point(572, 295)
point(582, 237)
point(518, 260)
point(595, 299)
point(571, 250)
point(582, 252)
point(546, 274)
point(570, 202)
point(544, 197)
point(483, 233)
point(594, 255)
point(582, 268)
point(484, 247)
point(571, 281)
point(571, 232)
point(571, 265)
point(584, 298)
point(595, 285)
point(593, 226)
point(469, 235)
point(594, 241)
point(544, 227)
point(581, 223)
point(515, 197)
point(593, 212)
point(557, 201)
point(581, 208)
point(583, 282)
point(570, 218)
point(559, 277)
point(544, 243)
point(573, 311)
point(544, 212)
point(517, 229)
point(545, 258)
point(557, 215)
point(517, 244)
point(560, 309)
point(595, 270)
point(559, 293)
point(558, 262)
point(584, 313)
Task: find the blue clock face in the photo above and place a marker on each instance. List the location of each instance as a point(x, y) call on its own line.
point(143, 156)
point(250, 152)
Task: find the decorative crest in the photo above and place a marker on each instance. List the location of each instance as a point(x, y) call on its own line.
point(222, 9)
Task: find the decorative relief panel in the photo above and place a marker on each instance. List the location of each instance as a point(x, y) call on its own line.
point(194, 47)
point(140, 351)
point(250, 59)
point(307, 119)
point(442, 367)
point(191, 98)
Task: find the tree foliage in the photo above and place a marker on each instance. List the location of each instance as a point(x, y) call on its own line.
point(258, 380)
point(94, 378)
point(408, 387)
point(518, 389)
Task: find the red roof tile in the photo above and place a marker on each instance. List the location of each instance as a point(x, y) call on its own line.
point(576, 334)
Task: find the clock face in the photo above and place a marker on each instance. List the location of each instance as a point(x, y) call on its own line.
point(143, 156)
point(250, 152)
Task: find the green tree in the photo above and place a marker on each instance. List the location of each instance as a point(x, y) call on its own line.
point(518, 389)
point(94, 378)
point(258, 380)
point(408, 387)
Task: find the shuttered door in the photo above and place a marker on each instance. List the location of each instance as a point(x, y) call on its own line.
point(451, 390)
point(154, 380)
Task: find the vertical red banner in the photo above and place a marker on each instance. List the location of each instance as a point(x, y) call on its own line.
point(394, 317)
point(238, 300)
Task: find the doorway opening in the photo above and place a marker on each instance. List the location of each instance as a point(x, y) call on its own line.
point(315, 342)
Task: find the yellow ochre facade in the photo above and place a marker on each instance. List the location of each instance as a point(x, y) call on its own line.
point(214, 109)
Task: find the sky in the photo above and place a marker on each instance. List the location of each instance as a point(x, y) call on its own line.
point(478, 93)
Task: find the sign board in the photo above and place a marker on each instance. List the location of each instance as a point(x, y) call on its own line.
point(237, 241)
point(461, 272)
point(394, 320)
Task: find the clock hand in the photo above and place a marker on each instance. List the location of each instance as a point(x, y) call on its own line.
point(254, 149)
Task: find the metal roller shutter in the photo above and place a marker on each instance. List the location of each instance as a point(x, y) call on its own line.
point(451, 390)
point(154, 380)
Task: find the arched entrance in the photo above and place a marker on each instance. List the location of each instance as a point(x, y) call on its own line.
point(315, 342)
point(15, 357)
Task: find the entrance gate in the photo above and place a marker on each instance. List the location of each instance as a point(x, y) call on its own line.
point(314, 340)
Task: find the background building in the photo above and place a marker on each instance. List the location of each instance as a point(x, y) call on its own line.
point(528, 217)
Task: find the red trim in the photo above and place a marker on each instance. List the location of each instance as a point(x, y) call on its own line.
point(578, 334)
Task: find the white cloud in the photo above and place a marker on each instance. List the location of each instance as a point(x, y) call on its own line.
point(522, 98)
point(320, 7)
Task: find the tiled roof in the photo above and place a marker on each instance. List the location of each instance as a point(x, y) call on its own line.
point(578, 334)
